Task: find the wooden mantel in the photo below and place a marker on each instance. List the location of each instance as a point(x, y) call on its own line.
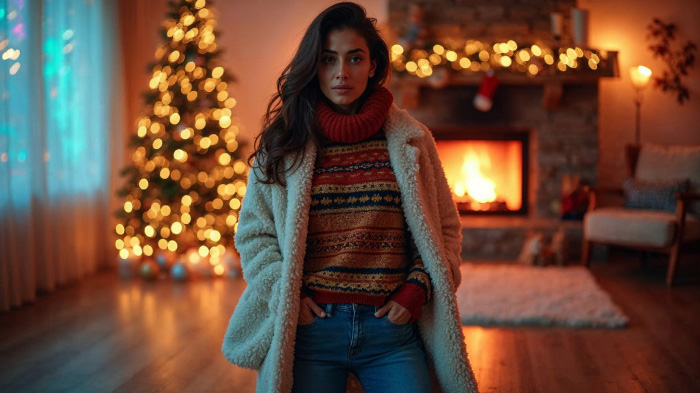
point(408, 86)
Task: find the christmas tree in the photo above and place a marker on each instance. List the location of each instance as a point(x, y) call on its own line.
point(186, 182)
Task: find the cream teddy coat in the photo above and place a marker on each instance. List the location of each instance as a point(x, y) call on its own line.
point(271, 239)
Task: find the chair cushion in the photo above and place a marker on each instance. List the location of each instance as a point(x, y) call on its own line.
point(635, 226)
point(658, 195)
point(658, 163)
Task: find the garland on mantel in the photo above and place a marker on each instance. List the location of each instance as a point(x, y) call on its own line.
point(478, 56)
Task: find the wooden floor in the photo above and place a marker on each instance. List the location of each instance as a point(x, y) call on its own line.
point(107, 334)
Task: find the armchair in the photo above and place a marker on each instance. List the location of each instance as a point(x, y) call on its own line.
point(643, 228)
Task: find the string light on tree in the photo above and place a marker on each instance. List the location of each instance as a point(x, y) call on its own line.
point(186, 182)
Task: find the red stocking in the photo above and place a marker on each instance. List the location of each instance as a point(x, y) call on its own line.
point(484, 98)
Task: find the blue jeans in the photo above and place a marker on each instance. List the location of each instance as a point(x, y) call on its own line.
point(384, 356)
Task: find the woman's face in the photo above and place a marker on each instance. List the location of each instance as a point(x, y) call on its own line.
point(344, 69)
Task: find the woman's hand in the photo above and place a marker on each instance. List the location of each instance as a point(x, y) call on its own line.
point(307, 309)
point(398, 314)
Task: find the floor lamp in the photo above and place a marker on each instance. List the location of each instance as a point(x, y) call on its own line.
point(640, 79)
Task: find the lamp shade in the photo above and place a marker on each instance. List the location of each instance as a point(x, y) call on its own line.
point(640, 76)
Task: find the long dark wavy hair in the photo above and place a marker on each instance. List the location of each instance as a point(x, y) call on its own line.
point(290, 119)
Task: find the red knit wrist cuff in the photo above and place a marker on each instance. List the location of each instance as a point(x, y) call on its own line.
point(412, 297)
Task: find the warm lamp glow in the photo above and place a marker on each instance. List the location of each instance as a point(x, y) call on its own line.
point(640, 76)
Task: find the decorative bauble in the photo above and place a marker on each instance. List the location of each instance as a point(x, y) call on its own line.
point(179, 271)
point(161, 261)
point(128, 266)
point(149, 269)
point(164, 259)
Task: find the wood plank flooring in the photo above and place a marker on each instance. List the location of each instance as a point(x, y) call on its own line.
point(110, 335)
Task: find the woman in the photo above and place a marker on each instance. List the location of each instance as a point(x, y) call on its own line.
point(349, 239)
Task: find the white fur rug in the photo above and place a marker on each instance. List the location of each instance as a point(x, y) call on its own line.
point(517, 295)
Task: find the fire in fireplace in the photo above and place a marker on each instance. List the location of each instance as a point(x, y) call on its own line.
point(486, 169)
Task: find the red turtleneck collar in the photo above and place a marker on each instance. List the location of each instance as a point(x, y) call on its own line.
point(353, 128)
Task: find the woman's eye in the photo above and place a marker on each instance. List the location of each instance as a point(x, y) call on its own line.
point(330, 59)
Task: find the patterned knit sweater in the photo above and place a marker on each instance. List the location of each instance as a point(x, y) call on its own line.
point(359, 249)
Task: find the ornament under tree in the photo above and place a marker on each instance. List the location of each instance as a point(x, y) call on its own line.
point(184, 187)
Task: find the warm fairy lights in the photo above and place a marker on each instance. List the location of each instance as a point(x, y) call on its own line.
point(186, 183)
point(478, 56)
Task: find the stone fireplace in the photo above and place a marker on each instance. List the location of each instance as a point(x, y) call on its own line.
point(535, 146)
point(505, 166)
point(558, 142)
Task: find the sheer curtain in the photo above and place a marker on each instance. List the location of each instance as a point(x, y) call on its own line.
point(61, 138)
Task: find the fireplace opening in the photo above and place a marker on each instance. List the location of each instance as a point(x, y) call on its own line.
point(486, 169)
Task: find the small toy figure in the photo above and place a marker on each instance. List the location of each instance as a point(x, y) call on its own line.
point(531, 253)
point(558, 247)
point(537, 251)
